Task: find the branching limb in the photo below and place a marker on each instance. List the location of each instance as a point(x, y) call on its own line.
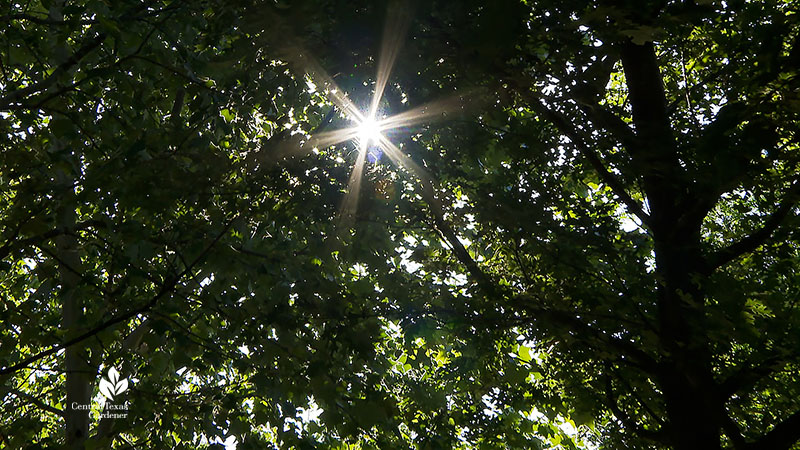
point(648, 98)
point(604, 118)
point(565, 127)
point(638, 357)
point(645, 405)
point(33, 400)
point(493, 291)
point(43, 20)
point(782, 437)
point(750, 375)
point(733, 432)
point(168, 286)
point(760, 236)
point(82, 52)
point(627, 422)
point(610, 122)
point(461, 253)
point(12, 244)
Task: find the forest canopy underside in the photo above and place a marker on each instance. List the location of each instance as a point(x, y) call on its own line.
point(400, 224)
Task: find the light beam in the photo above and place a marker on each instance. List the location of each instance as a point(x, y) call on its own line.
point(369, 132)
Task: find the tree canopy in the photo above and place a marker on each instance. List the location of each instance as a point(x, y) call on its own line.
point(576, 226)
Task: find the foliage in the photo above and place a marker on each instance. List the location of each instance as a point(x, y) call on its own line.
point(589, 260)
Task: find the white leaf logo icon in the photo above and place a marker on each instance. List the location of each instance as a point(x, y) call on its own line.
point(122, 386)
point(113, 385)
point(107, 389)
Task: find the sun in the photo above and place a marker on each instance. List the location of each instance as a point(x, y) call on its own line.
point(369, 124)
point(368, 132)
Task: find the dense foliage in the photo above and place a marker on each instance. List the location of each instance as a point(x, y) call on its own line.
point(594, 244)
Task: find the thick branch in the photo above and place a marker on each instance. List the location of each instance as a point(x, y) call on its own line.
point(42, 20)
point(750, 375)
point(733, 432)
point(604, 118)
point(485, 283)
point(11, 244)
point(590, 91)
point(76, 57)
point(167, 287)
point(630, 424)
point(461, 253)
point(45, 21)
point(565, 127)
point(655, 157)
point(782, 437)
point(638, 357)
point(646, 87)
point(92, 44)
point(759, 237)
point(610, 122)
point(33, 400)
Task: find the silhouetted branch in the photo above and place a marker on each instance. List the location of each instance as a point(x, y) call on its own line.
point(12, 244)
point(167, 287)
point(629, 424)
point(782, 437)
point(760, 236)
point(33, 400)
point(733, 433)
point(749, 375)
point(76, 57)
point(493, 291)
point(565, 127)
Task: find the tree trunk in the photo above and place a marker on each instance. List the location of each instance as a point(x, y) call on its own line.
point(78, 371)
point(693, 407)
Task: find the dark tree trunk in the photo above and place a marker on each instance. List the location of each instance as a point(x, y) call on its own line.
point(693, 409)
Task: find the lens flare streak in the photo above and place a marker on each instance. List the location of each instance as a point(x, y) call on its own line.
point(368, 130)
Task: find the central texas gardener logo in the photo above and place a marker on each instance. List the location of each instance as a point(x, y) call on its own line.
point(113, 385)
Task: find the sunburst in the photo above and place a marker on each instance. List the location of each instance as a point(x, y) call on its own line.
point(369, 131)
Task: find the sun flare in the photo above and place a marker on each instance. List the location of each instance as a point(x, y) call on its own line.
point(369, 132)
point(369, 127)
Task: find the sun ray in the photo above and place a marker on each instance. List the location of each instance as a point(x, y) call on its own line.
point(349, 206)
point(401, 159)
point(429, 112)
point(398, 17)
point(326, 139)
point(281, 35)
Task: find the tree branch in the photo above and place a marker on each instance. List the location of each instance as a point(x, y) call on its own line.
point(782, 437)
point(76, 57)
point(564, 126)
point(733, 432)
point(493, 291)
point(655, 157)
point(638, 357)
point(648, 98)
point(760, 236)
point(609, 121)
point(749, 375)
point(33, 400)
point(481, 278)
point(76, 21)
point(627, 422)
point(11, 244)
point(45, 21)
point(168, 285)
